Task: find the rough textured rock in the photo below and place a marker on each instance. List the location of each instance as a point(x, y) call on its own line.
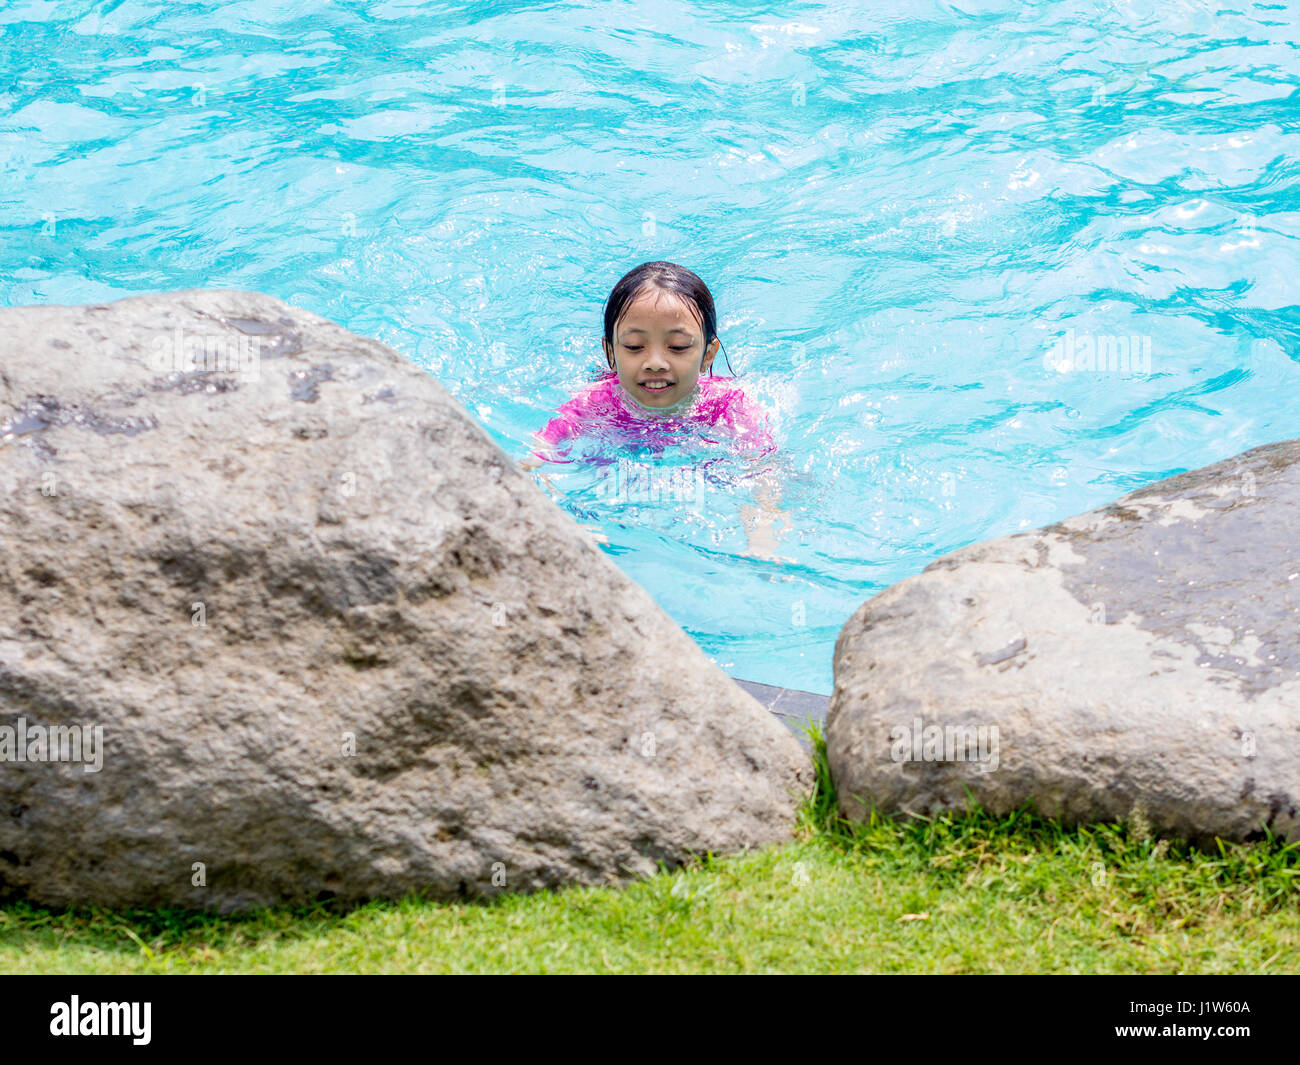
point(1142, 656)
point(339, 646)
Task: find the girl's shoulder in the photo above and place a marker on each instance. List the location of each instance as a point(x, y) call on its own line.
point(723, 395)
point(597, 394)
point(588, 406)
point(719, 383)
point(717, 387)
point(725, 401)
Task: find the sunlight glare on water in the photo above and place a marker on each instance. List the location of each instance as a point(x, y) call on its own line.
point(985, 265)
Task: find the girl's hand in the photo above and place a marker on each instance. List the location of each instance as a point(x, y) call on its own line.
point(766, 523)
point(596, 533)
point(761, 528)
point(534, 457)
point(532, 462)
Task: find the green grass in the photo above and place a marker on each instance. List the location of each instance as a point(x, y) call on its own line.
point(967, 893)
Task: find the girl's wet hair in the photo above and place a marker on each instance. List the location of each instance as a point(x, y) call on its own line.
point(669, 277)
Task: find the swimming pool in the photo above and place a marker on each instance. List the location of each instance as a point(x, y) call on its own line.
point(986, 268)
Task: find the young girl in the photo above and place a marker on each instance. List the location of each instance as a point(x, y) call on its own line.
point(660, 337)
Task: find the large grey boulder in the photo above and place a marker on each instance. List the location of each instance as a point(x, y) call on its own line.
point(335, 643)
point(1142, 659)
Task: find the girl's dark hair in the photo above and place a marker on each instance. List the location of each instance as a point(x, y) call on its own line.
point(670, 278)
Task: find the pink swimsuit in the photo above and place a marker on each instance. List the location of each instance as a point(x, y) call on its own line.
point(718, 408)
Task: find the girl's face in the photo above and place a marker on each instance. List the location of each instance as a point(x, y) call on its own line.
point(659, 350)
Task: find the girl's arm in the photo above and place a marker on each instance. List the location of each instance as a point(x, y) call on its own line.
point(567, 423)
point(546, 443)
point(538, 456)
point(766, 522)
point(532, 460)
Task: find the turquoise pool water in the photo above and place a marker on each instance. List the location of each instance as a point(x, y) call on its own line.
point(924, 231)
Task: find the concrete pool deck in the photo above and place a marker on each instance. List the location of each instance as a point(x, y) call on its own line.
point(792, 706)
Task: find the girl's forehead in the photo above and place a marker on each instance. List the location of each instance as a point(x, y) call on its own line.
point(658, 303)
